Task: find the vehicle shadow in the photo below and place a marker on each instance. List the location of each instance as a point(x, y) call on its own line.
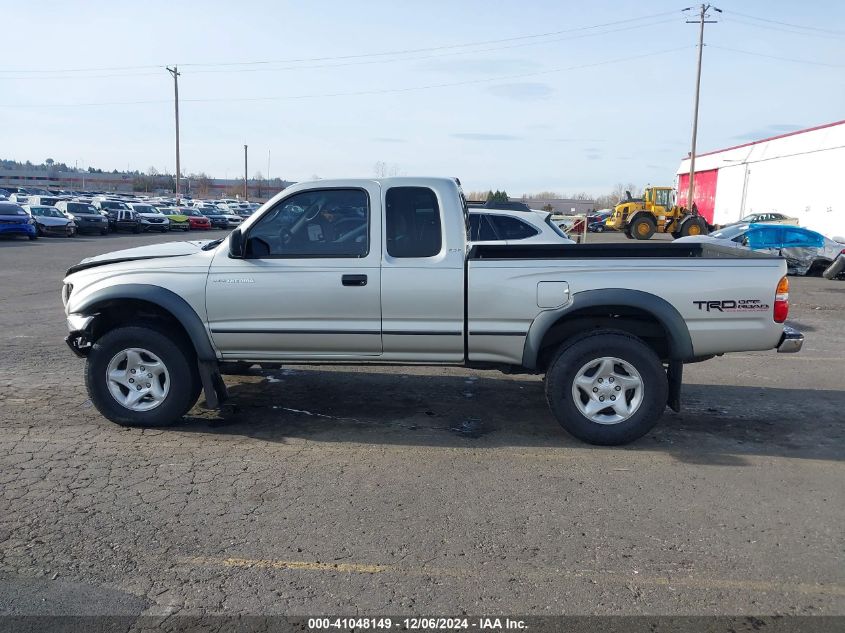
point(719, 425)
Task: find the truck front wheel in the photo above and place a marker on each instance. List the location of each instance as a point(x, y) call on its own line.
point(607, 388)
point(643, 227)
point(140, 376)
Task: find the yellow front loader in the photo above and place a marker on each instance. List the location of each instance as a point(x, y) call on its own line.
point(640, 218)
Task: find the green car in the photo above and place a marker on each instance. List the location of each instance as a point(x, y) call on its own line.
point(178, 220)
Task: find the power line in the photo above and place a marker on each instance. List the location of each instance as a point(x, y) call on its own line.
point(779, 29)
point(361, 92)
point(435, 56)
point(439, 48)
point(346, 57)
point(797, 26)
point(359, 62)
point(777, 57)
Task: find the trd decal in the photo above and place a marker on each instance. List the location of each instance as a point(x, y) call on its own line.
point(732, 305)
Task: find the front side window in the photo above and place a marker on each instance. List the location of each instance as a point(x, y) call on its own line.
point(661, 197)
point(763, 238)
point(412, 222)
point(510, 228)
point(320, 223)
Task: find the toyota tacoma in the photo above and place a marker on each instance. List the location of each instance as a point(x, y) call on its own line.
point(380, 271)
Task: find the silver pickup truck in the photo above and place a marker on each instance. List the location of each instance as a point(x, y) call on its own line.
point(380, 271)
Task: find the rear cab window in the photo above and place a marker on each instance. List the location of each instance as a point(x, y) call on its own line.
point(412, 222)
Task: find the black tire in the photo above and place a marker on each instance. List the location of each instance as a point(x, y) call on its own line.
point(136, 230)
point(38, 230)
point(32, 237)
point(835, 269)
point(643, 227)
point(569, 361)
point(694, 225)
point(181, 365)
point(104, 231)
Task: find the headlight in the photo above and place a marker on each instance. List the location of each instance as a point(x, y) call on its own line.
point(31, 221)
point(144, 221)
point(66, 290)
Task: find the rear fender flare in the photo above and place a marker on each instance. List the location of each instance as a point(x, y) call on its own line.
point(680, 343)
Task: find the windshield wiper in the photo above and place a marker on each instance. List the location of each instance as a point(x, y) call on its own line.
point(213, 244)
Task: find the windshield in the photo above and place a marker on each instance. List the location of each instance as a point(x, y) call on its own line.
point(79, 207)
point(47, 212)
point(730, 232)
point(108, 204)
point(7, 209)
point(145, 208)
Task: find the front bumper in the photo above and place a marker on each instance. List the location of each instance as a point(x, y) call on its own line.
point(62, 230)
point(77, 340)
point(790, 341)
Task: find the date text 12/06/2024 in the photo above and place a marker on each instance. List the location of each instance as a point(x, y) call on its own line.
point(415, 624)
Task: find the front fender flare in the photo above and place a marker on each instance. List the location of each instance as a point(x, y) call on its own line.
point(680, 343)
point(165, 299)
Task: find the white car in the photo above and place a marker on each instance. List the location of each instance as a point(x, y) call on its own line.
point(151, 218)
point(501, 226)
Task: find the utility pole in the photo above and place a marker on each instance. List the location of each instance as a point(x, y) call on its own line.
point(175, 72)
point(246, 194)
point(701, 21)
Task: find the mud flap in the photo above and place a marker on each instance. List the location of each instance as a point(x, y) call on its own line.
point(675, 375)
point(212, 385)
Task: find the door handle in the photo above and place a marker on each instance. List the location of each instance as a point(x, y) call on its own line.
point(354, 280)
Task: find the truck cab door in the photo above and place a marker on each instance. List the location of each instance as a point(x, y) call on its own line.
point(308, 285)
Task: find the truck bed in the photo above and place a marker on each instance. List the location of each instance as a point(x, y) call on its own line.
point(670, 250)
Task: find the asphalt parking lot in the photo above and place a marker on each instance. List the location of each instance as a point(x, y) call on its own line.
point(415, 490)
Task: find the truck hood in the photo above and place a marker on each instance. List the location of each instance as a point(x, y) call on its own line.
point(154, 251)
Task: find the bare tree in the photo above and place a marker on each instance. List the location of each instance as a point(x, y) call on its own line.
point(382, 170)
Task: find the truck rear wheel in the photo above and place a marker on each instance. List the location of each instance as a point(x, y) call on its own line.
point(643, 227)
point(608, 388)
point(140, 376)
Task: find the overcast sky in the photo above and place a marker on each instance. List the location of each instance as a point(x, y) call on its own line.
point(578, 110)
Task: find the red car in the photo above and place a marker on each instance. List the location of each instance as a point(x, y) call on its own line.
point(197, 220)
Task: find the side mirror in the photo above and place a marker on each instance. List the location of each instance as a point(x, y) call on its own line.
point(236, 244)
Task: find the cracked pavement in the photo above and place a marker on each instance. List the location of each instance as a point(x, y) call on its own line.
point(355, 490)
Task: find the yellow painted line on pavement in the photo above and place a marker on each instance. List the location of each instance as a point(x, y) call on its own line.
point(626, 578)
point(353, 568)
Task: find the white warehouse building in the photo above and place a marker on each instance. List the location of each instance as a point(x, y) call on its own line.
point(800, 174)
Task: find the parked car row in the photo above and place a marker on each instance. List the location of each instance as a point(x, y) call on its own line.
point(35, 212)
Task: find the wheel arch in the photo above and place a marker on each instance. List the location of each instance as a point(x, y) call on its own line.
point(642, 314)
point(122, 303)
